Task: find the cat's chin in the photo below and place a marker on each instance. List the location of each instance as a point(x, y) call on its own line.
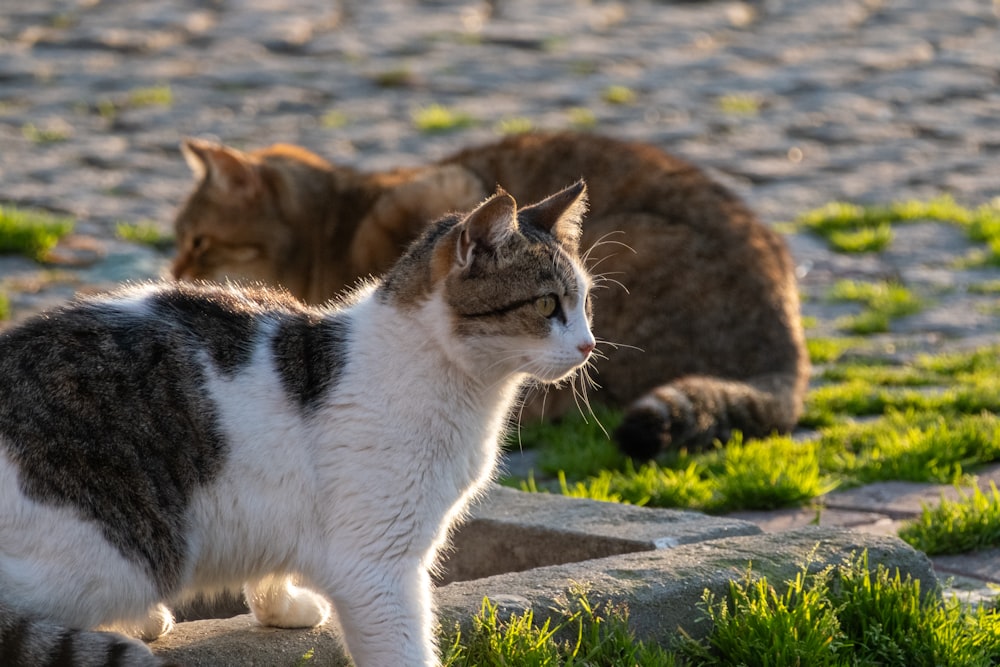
point(556, 375)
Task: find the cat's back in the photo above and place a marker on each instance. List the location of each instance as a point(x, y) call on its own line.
point(620, 175)
point(151, 320)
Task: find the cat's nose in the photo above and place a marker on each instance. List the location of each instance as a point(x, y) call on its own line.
point(586, 348)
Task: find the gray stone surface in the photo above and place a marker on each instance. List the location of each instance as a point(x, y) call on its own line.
point(905, 499)
point(510, 531)
point(662, 589)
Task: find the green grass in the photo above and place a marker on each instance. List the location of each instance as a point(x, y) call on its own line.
point(881, 303)
point(931, 419)
point(849, 227)
point(760, 474)
point(439, 118)
point(145, 233)
point(333, 120)
point(577, 635)
point(30, 233)
point(865, 239)
point(847, 615)
point(957, 526)
point(151, 96)
point(739, 104)
point(911, 446)
point(618, 94)
point(46, 135)
point(514, 125)
point(988, 287)
point(4, 306)
point(582, 118)
point(827, 350)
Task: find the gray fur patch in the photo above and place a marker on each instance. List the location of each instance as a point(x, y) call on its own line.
point(224, 324)
point(309, 353)
point(106, 411)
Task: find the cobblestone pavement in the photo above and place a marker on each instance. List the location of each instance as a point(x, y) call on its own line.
point(794, 103)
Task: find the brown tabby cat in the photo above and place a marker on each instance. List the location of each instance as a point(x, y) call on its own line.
point(700, 315)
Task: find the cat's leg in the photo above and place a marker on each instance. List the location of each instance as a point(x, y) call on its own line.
point(157, 623)
point(388, 619)
point(276, 601)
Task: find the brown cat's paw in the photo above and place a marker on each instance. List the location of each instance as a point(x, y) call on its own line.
point(654, 423)
point(642, 434)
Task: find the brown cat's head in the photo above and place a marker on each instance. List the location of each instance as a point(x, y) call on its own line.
point(242, 220)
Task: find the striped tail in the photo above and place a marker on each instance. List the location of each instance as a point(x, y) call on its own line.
point(38, 643)
point(695, 411)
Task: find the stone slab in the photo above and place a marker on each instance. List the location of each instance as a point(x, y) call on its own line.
point(511, 530)
point(662, 589)
point(777, 521)
point(982, 565)
point(903, 500)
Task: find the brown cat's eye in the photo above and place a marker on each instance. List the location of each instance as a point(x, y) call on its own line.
point(547, 305)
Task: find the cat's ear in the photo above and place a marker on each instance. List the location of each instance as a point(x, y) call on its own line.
point(226, 169)
point(561, 214)
point(488, 226)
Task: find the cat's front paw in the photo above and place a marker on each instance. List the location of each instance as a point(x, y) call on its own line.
point(157, 623)
point(279, 603)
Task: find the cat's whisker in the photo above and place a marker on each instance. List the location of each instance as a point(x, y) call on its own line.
point(602, 279)
point(594, 265)
point(603, 241)
point(618, 346)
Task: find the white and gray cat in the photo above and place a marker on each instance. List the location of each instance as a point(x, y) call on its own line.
point(173, 439)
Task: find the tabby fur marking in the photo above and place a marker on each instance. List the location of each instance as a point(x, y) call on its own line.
point(175, 439)
point(698, 311)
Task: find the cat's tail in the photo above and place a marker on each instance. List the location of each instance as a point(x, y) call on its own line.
point(26, 642)
point(696, 410)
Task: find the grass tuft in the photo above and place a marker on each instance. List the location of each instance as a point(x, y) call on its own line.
point(51, 134)
point(439, 118)
point(514, 125)
point(847, 615)
point(151, 96)
point(844, 616)
point(578, 634)
point(582, 118)
point(618, 94)
point(854, 228)
point(828, 350)
point(333, 119)
point(761, 474)
point(30, 233)
point(957, 526)
point(778, 472)
point(739, 104)
point(145, 233)
point(882, 302)
point(913, 446)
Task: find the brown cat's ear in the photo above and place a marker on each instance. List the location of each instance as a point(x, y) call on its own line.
point(487, 226)
point(561, 214)
point(226, 169)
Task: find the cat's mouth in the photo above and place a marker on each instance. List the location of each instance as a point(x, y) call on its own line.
point(564, 368)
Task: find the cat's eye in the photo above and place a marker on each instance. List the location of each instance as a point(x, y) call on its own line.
point(547, 305)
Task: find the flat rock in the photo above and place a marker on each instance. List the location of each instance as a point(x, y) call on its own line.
point(662, 590)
